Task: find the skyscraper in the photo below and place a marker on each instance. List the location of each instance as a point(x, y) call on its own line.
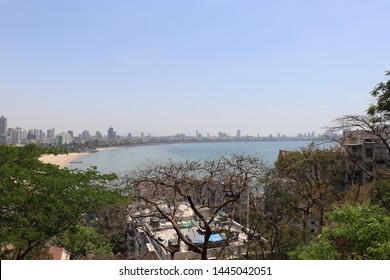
point(111, 133)
point(3, 125)
point(50, 134)
point(238, 133)
point(3, 130)
point(16, 136)
point(86, 135)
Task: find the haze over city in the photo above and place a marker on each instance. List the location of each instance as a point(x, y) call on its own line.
point(165, 67)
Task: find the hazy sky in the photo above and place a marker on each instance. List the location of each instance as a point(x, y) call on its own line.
point(165, 67)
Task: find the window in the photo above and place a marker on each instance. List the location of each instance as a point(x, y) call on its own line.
point(369, 152)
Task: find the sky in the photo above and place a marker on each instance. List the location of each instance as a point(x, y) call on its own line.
point(177, 66)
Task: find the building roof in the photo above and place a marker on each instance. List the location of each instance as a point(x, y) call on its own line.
point(58, 253)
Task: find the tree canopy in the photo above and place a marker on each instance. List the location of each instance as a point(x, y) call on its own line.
point(39, 201)
point(382, 94)
point(354, 232)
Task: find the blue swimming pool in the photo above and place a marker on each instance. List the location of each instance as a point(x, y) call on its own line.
point(197, 237)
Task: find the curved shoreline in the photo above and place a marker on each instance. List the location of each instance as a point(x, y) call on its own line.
point(62, 160)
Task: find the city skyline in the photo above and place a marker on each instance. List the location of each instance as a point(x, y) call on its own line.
point(52, 132)
point(167, 67)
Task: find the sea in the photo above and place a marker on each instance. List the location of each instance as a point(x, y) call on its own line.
point(122, 160)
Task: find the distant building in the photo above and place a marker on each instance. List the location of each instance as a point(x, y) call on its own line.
point(34, 134)
point(86, 135)
point(50, 135)
point(64, 138)
point(3, 129)
point(98, 135)
point(238, 133)
point(111, 133)
point(330, 134)
point(16, 136)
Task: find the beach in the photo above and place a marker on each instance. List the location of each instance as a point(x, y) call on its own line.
point(106, 149)
point(62, 160)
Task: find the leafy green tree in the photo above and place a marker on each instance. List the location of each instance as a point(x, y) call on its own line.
point(310, 177)
point(354, 232)
point(381, 193)
point(39, 201)
point(377, 120)
point(85, 242)
point(382, 94)
point(273, 226)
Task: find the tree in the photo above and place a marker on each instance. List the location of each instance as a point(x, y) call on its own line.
point(310, 177)
point(377, 120)
point(40, 201)
point(381, 190)
point(273, 225)
point(354, 232)
point(382, 94)
point(101, 234)
point(373, 126)
point(85, 242)
point(203, 190)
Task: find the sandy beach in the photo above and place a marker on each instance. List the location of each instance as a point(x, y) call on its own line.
point(62, 160)
point(105, 149)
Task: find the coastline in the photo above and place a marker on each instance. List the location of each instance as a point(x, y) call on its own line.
point(106, 149)
point(62, 160)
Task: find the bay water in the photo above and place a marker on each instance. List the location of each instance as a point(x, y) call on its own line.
point(124, 159)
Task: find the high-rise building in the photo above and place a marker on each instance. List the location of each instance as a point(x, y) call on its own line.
point(98, 135)
point(34, 134)
point(3, 130)
point(86, 135)
point(238, 133)
point(3, 125)
point(38, 134)
point(111, 133)
point(50, 134)
point(222, 134)
point(64, 138)
point(16, 136)
point(30, 134)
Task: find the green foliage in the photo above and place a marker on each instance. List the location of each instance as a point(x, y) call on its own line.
point(382, 94)
point(354, 232)
point(301, 188)
point(276, 222)
point(310, 178)
point(381, 194)
point(85, 242)
point(38, 201)
point(311, 165)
